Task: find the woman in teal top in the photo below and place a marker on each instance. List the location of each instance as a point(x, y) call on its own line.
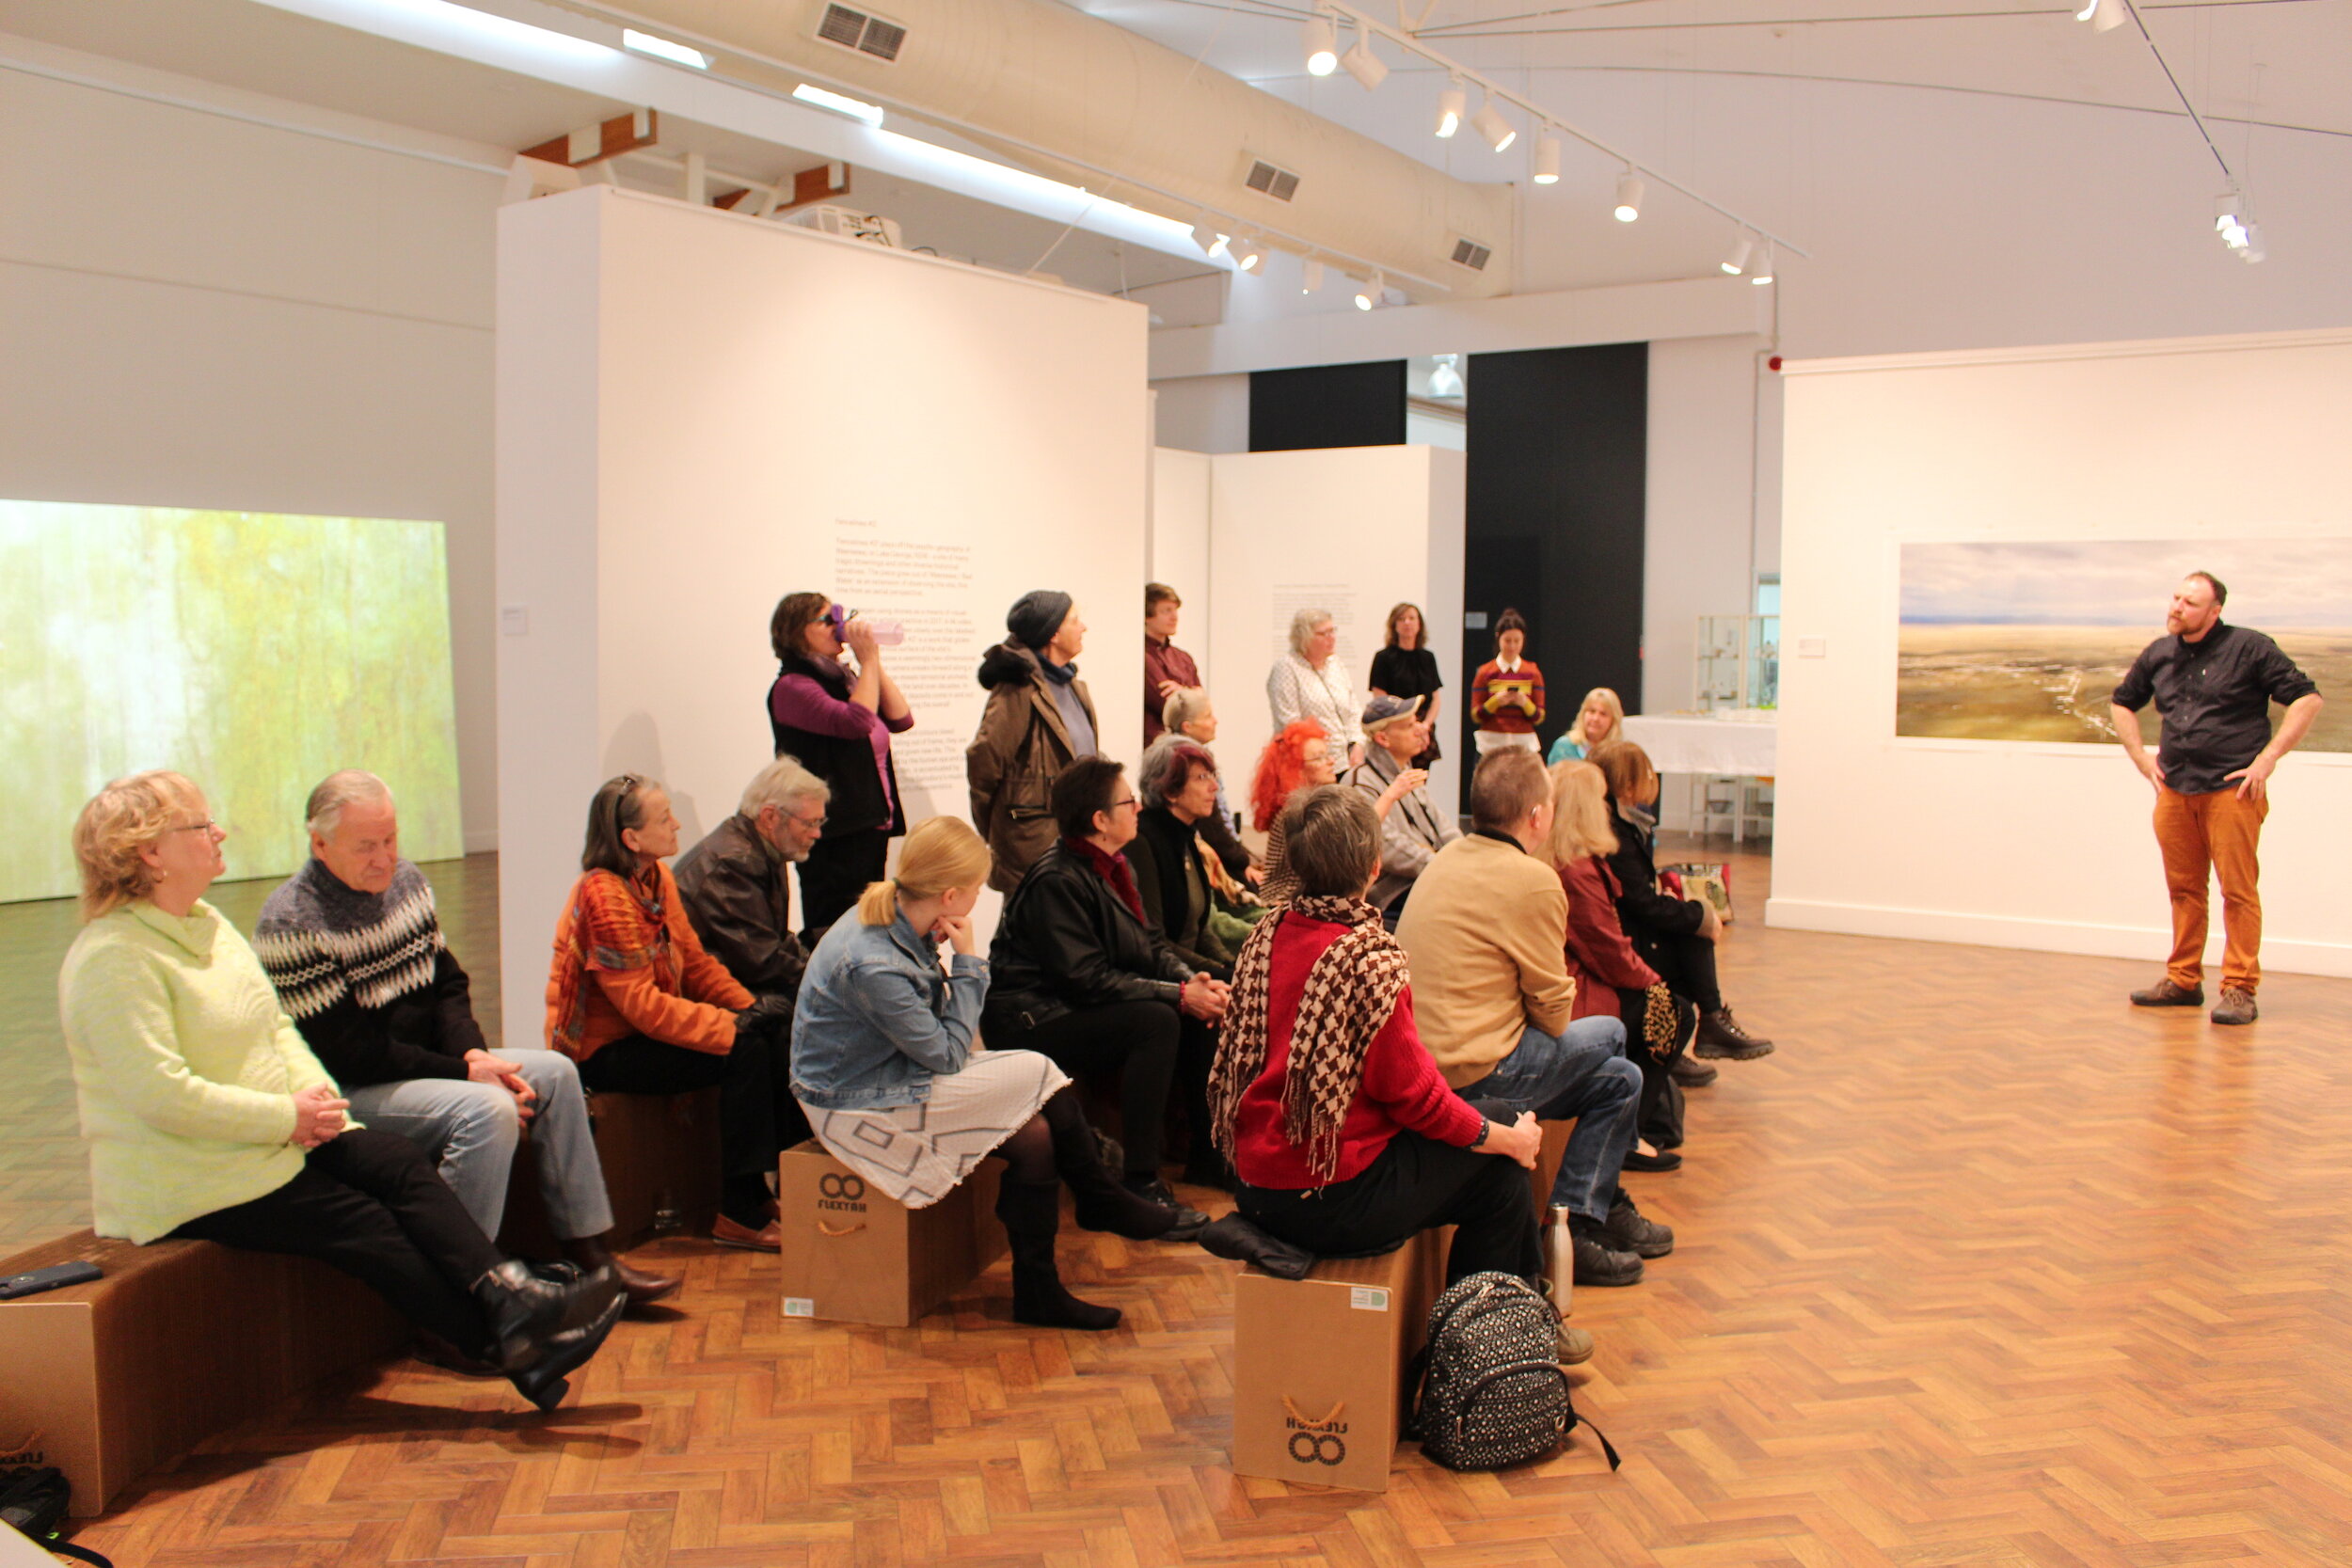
point(208, 1118)
point(1600, 719)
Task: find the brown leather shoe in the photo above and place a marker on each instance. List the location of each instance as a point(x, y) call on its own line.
point(643, 1289)
point(1720, 1036)
point(2165, 993)
point(768, 1238)
point(2237, 1007)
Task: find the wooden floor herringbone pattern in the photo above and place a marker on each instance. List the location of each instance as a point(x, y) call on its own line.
point(1981, 1267)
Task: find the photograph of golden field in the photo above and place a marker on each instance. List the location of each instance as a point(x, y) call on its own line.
point(2026, 642)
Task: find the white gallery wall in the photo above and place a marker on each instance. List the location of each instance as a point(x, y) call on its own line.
point(293, 315)
point(699, 413)
point(2044, 846)
point(1350, 529)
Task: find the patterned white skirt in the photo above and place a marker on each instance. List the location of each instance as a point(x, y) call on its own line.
point(918, 1153)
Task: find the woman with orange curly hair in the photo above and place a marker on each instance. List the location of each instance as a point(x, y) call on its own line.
point(1299, 757)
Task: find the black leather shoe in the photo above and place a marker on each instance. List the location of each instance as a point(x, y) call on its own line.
point(545, 1381)
point(1665, 1159)
point(1597, 1259)
point(526, 1313)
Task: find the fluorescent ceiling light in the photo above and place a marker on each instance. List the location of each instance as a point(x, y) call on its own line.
point(662, 49)
point(871, 114)
point(1323, 45)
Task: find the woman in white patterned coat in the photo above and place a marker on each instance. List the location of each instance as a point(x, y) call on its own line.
point(1310, 682)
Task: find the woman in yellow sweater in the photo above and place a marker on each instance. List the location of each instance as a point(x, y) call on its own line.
point(208, 1118)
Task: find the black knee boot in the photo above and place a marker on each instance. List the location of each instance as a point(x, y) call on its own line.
point(1032, 1214)
point(1104, 1203)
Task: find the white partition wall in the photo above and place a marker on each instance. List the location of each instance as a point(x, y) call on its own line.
point(1352, 530)
point(699, 413)
point(2213, 442)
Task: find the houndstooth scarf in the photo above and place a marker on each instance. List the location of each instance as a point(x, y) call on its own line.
point(1350, 992)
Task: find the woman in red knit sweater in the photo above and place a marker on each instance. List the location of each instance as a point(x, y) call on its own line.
point(1345, 1137)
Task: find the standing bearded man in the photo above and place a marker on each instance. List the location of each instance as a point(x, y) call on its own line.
point(2213, 686)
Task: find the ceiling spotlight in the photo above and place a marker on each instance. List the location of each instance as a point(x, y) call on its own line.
point(1445, 376)
point(1362, 64)
point(1249, 255)
point(1204, 234)
point(1736, 262)
point(1547, 159)
point(1310, 278)
point(1451, 104)
point(1496, 130)
point(1370, 294)
point(2104, 15)
point(1323, 44)
point(1628, 196)
point(2236, 227)
point(1761, 273)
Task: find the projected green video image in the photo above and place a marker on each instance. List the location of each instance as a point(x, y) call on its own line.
point(254, 652)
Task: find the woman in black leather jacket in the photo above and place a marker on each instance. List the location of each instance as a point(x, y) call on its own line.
point(1079, 974)
point(1673, 935)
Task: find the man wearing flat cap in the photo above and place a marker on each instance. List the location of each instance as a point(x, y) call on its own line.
point(1038, 720)
point(1414, 829)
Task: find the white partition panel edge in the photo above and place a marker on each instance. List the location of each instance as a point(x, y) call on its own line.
point(700, 412)
point(1354, 528)
point(2042, 847)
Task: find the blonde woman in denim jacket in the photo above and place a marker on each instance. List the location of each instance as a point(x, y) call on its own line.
point(885, 1061)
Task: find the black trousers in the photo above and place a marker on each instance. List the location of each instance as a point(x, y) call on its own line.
point(758, 1118)
point(837, 870)
point(372, 1205)
point(1416, 1182)
point(1134, 1041)
point(1686, 963)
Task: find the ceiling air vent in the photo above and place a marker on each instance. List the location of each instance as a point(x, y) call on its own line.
point(1279, 183)
point(1471, 254)
point(868, 35)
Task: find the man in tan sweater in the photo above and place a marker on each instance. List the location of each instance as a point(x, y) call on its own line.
point(1486, 930)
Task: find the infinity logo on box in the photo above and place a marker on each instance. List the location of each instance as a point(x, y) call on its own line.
point(836, 1190)
point(1317, 1442)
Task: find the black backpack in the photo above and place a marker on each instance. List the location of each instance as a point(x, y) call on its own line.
point(33, 1501)
point(1493, 1393)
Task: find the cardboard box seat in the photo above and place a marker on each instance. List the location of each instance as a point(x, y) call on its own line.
point(852, 1255)
point(179, 1341)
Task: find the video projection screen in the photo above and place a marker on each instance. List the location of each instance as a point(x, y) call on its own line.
point(254, 652)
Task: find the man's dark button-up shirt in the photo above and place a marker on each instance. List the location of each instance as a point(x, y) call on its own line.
point(2215, 696)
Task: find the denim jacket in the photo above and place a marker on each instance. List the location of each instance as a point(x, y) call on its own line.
point(876, 1020)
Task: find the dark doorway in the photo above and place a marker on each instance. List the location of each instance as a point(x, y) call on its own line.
point(1554, 521)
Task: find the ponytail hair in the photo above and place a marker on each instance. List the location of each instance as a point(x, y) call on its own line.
point(939, 854)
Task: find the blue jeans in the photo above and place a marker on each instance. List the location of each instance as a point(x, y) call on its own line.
point(471, 1130)
point(1582, 1075)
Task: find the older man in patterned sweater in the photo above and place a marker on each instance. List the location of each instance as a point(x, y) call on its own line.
point(355, 949)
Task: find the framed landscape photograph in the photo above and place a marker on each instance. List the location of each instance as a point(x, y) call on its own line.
point(2026, 642)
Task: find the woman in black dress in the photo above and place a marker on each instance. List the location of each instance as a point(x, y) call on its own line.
point(1406, 668)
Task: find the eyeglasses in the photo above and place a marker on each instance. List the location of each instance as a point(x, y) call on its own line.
point(1129, 800)
point(208, 825)
point(811, 823)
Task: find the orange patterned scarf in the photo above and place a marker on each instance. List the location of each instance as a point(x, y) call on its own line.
point(610, 925)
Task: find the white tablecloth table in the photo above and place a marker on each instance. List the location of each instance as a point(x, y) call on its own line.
point(1696, 743)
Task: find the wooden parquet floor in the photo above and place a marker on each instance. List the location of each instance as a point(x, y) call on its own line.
point(1983, 1267)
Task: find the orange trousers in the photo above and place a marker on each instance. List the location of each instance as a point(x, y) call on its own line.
point(2203, 838)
